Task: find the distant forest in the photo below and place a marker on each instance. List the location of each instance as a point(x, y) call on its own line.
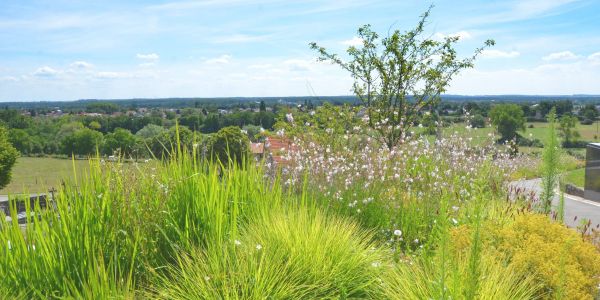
point(226, 102)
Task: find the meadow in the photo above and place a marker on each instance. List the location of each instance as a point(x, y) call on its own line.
point(40, 174)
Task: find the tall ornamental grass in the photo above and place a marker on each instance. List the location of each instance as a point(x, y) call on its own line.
point(550, 164)
point(119, 225)
point(297, 253)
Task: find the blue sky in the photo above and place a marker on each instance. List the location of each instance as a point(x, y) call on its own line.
point(69, 49)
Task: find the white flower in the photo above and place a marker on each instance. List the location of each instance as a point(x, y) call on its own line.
point(397, 232)
point(289, 118)
point(207, 278)
point(258, 247)
point(237, 243)
point(454, 221)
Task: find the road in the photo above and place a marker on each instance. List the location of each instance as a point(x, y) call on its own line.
point(576, 208)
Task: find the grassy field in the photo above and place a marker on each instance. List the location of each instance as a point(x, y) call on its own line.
point(588, 132)
point(39, 174)
point(575, 177)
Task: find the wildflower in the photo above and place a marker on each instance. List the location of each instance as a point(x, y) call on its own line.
point(454, 221)
point(258, 247)
point(289, 118)
point(237, 242)
point(375, 264)
point(207, 278)
point(397, 232)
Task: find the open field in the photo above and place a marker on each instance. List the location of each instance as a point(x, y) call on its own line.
point(39, 174)
point(588, 132)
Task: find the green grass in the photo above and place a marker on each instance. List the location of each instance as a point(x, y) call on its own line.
point(575, 177)
point(539, 131)
point(39, 174)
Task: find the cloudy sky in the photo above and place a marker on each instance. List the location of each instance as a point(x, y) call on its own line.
point(70, 49)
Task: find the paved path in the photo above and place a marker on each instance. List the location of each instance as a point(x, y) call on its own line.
point(574, 206)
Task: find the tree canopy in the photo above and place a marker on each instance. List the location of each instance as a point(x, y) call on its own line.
point(8, 157)
point(508, 119)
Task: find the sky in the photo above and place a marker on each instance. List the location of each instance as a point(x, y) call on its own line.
point(114, 49)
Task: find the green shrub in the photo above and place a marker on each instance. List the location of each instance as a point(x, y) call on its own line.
point(295, 254)
point(553, 255)
point(478, 121)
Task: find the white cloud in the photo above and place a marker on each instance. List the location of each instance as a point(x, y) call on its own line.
point(223, 59)
point(111, 75)
point(299, 64)
point(492, 53)
point(462, 35)
point(355, 41)
point(9, 78)
point(150, 56)
point(526, 8)
point(46, 71)
point(577, 77)
point(563, 55)
point(595, 57)
point(260, 66)
point(82, 65)
point(147, 65)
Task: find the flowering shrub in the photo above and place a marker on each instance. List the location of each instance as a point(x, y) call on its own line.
point(399, 188)
point(555, 256)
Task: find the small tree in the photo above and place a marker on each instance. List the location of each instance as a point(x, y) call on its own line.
point(589, 112)
point(508, 119)
point(120, 140)
point(478, 121)
point(398, 76)
point(8, 157)
point(229, 143)
point(82, 142)
point(263, 106)
point(568, 131)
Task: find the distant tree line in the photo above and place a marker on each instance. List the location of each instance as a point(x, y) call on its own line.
point(139, 135)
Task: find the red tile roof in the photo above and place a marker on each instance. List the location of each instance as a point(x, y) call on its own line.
point(257, 148)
